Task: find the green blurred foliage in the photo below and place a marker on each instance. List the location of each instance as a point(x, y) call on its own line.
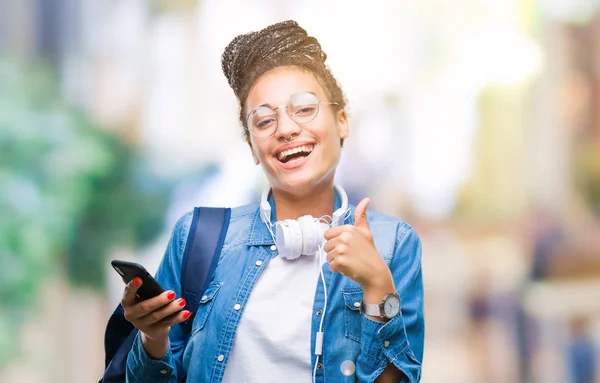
point(70, 192)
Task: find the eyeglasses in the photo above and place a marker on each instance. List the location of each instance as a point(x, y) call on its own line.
point(302, 107)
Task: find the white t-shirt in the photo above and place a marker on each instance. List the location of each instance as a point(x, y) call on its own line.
point(272, 342)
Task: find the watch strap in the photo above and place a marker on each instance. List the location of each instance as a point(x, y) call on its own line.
point(376, 309)
point(373, 309)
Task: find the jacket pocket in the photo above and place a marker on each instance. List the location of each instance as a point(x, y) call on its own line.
point(352, 315)
point(205, 305)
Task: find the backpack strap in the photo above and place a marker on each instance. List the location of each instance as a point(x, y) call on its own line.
point(201, 256)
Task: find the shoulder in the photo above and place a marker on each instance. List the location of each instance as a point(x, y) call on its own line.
point(401, 229)
point(244, 211)
point(392, 235)
point(183, 224)
point(239, 221)
point(182, 227)
point(380, 221)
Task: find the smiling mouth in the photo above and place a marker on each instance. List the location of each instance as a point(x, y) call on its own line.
point(291, 154)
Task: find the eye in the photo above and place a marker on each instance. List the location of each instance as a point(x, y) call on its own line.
point(305, 110)
point(262, 118)
point(264, 123)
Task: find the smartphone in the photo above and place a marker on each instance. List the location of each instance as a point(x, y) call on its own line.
point(129, 270)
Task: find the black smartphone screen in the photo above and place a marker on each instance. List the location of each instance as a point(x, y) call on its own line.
point(129, 270)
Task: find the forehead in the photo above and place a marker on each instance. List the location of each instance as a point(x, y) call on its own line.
point(277, 85)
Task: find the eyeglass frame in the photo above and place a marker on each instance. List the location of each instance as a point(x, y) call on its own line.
point(319, 102)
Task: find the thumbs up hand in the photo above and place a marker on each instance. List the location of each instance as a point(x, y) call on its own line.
point(351, 251)
point(360, 216)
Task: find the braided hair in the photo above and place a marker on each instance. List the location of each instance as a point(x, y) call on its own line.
point(249, 56)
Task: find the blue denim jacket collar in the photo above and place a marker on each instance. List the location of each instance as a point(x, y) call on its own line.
point(259, 235)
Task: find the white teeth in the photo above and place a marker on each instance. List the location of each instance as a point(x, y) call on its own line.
point(285, 153)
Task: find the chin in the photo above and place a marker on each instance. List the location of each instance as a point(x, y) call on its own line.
point(300, 181)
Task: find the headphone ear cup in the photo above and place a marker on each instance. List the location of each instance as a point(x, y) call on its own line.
point(322, 229)
point(282, 238)
point(310, 234)
point(296, 239)
point(288, 238)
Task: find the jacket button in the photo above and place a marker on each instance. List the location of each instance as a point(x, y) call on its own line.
point(319, 312)
point(258, 263)
point(319, 366)
point(386, 344)
point(237, 307)
point(164, 372)
point(273, 247)
point(221, 358)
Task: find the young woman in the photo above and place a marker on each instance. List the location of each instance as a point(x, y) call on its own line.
point(338, 299)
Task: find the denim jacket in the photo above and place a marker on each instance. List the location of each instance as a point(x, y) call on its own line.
point(348, 334)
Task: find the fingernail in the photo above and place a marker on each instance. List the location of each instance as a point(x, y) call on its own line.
point(187, 314)
point(137, 281)
point(171, 295)
point(182, 302)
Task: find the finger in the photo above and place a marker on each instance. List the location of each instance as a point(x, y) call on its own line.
point(130, 292)
point(340, 248)
point(331, 256)
point(145, 307)
point(333, 266)
point(335, 231)
point(331, 244)
point(162, 313)
point(338, 251)
point(176, 318)
point(337, 266)
point(360, 214)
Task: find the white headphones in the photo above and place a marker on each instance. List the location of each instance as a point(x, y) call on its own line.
point(304, 235)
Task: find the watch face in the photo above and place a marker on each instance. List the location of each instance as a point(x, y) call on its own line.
point(391, 306)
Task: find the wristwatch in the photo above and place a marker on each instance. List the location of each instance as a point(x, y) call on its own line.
point(388, 308)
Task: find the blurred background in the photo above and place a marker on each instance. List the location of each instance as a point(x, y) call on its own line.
point(477, 121)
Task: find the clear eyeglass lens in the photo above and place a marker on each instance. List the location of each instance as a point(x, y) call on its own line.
point(262, 121)
point(302, 107)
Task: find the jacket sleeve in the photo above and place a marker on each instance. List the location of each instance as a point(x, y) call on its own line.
point(399, 341)
point(140, 366)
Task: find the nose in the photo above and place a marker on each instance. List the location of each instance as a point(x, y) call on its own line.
point(286, 127)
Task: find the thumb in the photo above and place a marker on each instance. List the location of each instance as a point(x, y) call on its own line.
point(360, 214)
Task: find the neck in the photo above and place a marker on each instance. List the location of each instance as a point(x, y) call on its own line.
point(317, 202)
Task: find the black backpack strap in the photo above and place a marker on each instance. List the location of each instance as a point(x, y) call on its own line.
point(201, 256)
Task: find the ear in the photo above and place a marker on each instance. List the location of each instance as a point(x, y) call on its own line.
point(342, 124)
point(254, 157)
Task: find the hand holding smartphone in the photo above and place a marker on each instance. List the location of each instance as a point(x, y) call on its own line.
point(165, 309)
point(129, 270)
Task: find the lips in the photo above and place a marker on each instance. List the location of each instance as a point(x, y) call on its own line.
point(291, 148)
point(288, 154)
point(294, 154)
